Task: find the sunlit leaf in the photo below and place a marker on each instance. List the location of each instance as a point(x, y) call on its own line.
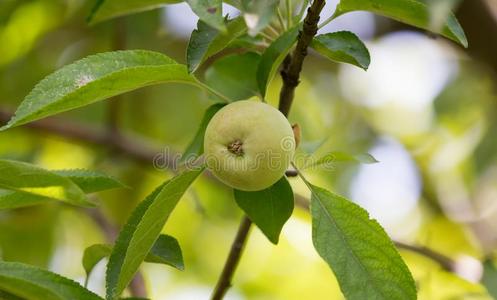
point(269, 209)
point(224, 75)
point(91, 181)
point(142, 230)
point(95, 78)
point(196, 146)
point(412, 12)
point(165, 250)
point(209, 11)
point(30, 282)
point(336, 157)
point(23, 184)
point(363, 258)
point(342, 46)
point(108, 9)
point(489, 279)
point(206, 41)
point(273, 57)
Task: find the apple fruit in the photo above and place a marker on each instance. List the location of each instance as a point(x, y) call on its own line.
point(248, 145)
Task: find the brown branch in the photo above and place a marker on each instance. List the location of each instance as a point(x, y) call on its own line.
point(224, 282)
point(133, 147)
point(292, 65)
point(444, 261)
point(137, 285)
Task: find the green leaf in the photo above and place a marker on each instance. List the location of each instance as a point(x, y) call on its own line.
point(258, 14)
point(363, 258)
point(269, 209)
point(142, 230)
point(210, 12)
point(94, 254)
point(91, 181)
point(108, 9)
point(23, 184)
point(235, 75)
point(335, 157)
point(274, 56)
point(8, 296)
point(206, 41)
point(165, 250)
point(196, 146)
point(30, 282)
point(95, 78)
point(489, 279)
point(342, 46)
point(412, 12)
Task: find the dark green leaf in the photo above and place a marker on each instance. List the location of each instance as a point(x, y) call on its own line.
point(196, 146)
point(335, 157)
point(342, 46)
point(274, 56)
point(165, 250)
point(30, 282)
point(108, 9)
point(8, 296)
point(93, 254)
point(206, 41)
point(412, 12)
point(95, 78)
point(235, 75)
point(363, 258)
point(489, 279)
point(210, 12)
point(142, 230)
point(91, 181)
point(269, 209)
point(258, 14)
point(23, 184)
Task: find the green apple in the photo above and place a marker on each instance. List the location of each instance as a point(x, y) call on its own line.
point(248, 145)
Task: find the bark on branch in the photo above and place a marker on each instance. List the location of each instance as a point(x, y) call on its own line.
point(292, 66)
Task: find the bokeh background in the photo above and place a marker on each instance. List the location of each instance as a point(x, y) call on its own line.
point(426, 110)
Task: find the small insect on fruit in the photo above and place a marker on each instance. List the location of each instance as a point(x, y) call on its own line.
point(248, 145)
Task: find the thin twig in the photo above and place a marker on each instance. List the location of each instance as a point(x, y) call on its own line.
point(137, 285)
point(294, 66)
point(136, 148)
point(224, 281)
point(444, 261)
point(291, 73)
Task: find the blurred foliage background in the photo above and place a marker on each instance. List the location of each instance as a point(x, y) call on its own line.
point(426, 109)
